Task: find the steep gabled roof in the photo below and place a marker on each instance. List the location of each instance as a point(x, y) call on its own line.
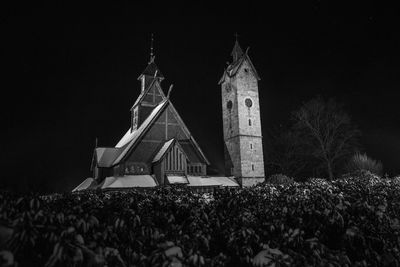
point(132, 138)
point(126, 138)
point(237, 51)
point(180, 121)
point(105, 156)
point(145, 91)
point(152, 70)
point(163, 150)
point(233, 68)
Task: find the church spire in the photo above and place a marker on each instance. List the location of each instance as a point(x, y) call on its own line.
point(237, 51)
point(151, 50)
point(151, 72)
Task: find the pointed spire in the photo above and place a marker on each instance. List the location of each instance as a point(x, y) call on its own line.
point(237, 51)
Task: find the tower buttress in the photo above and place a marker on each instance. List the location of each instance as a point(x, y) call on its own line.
point(241, 120)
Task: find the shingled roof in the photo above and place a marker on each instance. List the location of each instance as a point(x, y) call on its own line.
point(152, 70)
point(237, 51)
point(106, 156)
point(232, 69)
point(144, 93)
point(238, 58)
point(132, 137)
point(163, 150)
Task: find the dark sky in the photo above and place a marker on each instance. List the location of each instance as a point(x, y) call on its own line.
point(69, 74)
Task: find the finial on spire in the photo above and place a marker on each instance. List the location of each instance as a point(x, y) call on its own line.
point(151, 48)
point(236, 36)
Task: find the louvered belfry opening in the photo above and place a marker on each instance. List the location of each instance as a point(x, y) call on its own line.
point(175, 161)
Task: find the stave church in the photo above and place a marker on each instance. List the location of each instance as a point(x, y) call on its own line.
point(159, 150)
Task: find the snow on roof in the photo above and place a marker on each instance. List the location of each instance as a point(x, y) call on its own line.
point(126, 138)
point(211, 181)
point(225, 181)
point(133, 137)
point(163, 150)
point(202, 181)
point(106, 155)
point(176, 179)
point(107, 181)
point(88, 182)
point(128, 181)
point(235, 66)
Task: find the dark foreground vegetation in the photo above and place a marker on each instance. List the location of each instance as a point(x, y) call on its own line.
point(353, 221)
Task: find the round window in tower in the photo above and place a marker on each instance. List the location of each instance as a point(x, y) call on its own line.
point(248, 102)
point(229, 105)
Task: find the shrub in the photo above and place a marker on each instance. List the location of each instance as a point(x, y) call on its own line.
point(363, 162)
point(279, 179)
point(353, 221)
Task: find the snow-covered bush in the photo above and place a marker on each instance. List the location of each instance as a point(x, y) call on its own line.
point(279, 179)
point(352, 221)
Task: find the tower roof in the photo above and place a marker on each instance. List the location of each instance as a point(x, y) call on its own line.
point(152, 70)
point(233, 68)
point(237, 51)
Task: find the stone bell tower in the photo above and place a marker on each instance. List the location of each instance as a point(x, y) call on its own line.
point(241, 120)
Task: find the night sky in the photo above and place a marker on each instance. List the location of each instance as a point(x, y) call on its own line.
point(69, 75)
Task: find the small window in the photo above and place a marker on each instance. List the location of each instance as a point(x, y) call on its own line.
point(229, 105)
point(252, 167)
point(249, 122)
point(246, 70)
point(251, 146)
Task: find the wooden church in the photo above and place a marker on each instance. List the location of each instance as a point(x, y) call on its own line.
point(159, 150)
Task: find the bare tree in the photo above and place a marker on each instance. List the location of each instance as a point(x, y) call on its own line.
point(326, 133)
point(285, 152)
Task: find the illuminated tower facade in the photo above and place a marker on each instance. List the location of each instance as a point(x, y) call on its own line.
point(241, 120)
